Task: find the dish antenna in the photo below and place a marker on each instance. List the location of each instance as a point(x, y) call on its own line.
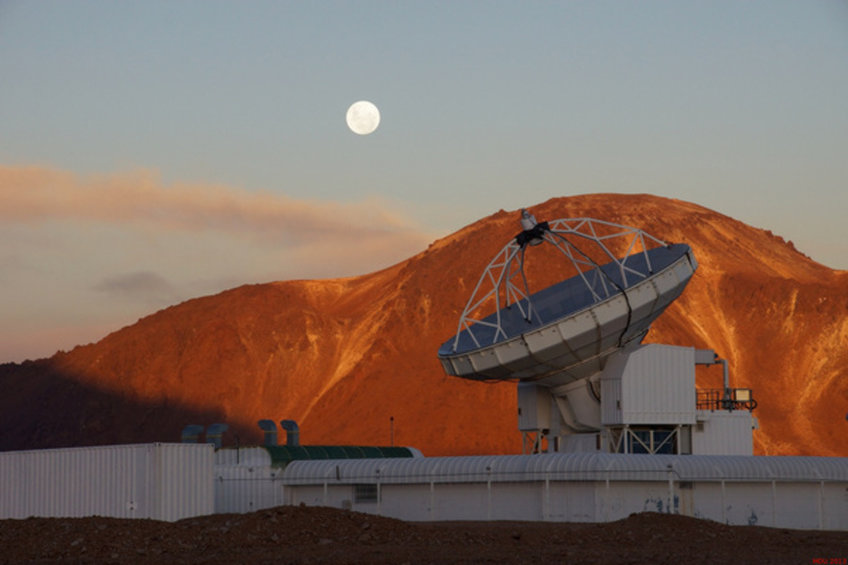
point(585, 381)
point(617, 281)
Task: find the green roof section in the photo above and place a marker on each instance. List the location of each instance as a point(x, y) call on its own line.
point(282, 455)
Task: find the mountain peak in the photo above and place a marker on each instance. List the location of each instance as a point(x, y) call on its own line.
point(344, 356)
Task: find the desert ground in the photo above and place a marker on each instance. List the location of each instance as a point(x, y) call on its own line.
point(293, 535)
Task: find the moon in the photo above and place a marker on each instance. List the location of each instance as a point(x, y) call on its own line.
point(363, 117)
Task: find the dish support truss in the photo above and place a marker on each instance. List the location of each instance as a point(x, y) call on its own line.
point(505, 282)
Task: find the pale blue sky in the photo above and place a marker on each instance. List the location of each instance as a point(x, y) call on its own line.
point(738, 106)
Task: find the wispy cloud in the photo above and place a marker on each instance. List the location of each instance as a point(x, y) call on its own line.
point(313, 231)
point(105, 249)
point(145, 286)
point(35, 194)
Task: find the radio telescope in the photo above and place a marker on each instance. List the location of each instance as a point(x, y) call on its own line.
point(568, 329)
point(621, 280)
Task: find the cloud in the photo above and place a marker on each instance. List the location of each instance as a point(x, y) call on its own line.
point(343, 231)
point(33, 194)
point(142, 285)
point(86, 254)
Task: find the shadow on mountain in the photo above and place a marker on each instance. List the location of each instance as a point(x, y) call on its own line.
point(60, 411)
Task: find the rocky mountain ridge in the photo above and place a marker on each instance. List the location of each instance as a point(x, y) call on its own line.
point(354, 360)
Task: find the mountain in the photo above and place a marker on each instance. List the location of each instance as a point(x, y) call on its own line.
point(354, 360)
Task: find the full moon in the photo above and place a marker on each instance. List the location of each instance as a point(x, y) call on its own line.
point(363, 117)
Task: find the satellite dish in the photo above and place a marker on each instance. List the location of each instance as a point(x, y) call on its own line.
point(614, 282)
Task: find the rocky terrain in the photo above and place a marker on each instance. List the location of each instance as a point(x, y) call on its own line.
point(292, 535)
point(354, 360)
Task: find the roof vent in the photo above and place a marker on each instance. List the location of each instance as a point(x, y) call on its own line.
point(270, 429)
point(191, 433)
point(214, 433)
point(292, 432)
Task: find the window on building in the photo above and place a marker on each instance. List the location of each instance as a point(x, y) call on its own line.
point(364, 493)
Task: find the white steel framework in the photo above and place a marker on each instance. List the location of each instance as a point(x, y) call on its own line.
point(505, 284)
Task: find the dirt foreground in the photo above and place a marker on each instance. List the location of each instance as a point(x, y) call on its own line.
point(324, 535)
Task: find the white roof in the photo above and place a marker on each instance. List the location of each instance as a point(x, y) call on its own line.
point(592, 466)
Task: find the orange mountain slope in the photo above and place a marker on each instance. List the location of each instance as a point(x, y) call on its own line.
point(344, 356)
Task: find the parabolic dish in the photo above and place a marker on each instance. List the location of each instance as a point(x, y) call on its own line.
point(566, 331)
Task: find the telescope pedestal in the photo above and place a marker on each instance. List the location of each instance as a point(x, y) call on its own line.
point(643, 401)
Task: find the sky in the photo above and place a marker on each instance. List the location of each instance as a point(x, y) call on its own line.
point(152, 152)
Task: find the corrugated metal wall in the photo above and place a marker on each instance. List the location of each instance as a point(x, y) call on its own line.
point(158, 481)
point(723, 433)
point(792, 492)
point(245, 489)
point(174, 481)
point(654, 384)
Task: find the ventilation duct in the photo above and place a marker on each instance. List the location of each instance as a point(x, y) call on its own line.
point(292, 432)
point(270, 429)
point(215, 433)
point(191, 433)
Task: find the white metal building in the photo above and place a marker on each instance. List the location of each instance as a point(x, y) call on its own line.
point(791, 492)
point(644, 401)
point(161, 481)
point(246, 480)
point(174, 481)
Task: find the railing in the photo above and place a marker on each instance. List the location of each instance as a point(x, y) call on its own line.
point(729, 399)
